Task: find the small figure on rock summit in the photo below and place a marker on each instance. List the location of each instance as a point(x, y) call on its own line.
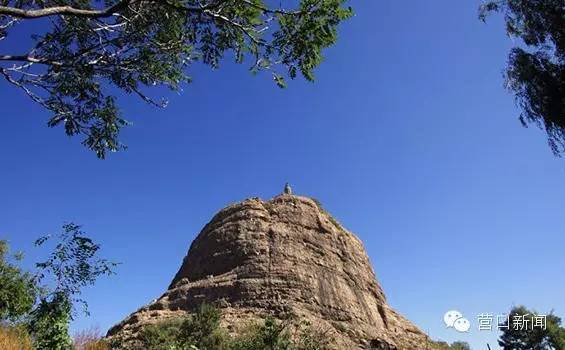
point(287, 189)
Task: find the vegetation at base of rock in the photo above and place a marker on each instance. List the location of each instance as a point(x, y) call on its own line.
point(160, 336)
point(457, 345)
point(94, 345)
point(276, 335)
point(90, 339)
point(537, 338)
point(202, 331)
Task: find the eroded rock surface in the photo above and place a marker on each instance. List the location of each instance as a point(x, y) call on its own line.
point(282, 257)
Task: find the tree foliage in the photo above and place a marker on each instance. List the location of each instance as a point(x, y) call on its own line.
point(73, 264)
point(532, 338)
point(17, 288)
point(49, 323)
point(86, 48)
point(536, 69)
point(44, 302)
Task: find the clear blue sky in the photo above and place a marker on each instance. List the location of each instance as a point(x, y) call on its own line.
point(407, 137)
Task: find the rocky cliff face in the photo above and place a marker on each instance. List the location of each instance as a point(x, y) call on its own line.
point(282, 257)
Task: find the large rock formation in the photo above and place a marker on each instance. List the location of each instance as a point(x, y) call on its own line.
point(282, 257)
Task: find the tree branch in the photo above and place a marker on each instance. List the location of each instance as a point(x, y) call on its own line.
point(89, 13)
point(272, 11)
point(27, 58)
point(63, 10)
point(28, 92)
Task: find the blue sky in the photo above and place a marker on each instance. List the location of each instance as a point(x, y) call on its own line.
point(407, 137)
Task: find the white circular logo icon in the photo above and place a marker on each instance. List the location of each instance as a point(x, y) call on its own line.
point(450, 317)
point(454, 319)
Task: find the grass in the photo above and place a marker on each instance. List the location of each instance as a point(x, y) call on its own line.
point(90, 339)
point(14, 338)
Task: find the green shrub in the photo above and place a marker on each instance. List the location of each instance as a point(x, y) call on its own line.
point(203, 331)
point(199, 331)
point(161, 336)
point(272, 335)
point(441, 345)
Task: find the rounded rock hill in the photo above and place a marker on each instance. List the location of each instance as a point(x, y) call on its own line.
point(288, 258)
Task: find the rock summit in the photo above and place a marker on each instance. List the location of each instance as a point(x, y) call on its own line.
point(288, 258)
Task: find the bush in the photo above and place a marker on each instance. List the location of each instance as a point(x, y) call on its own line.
point(441, 345)
point(161, 336)
point(202, 331)
point(276, 335)
point(311, 339)
point(271, 335)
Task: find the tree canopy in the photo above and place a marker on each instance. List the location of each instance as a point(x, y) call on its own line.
point(87, 48)
point(552, 337)
point(536, 68)
point(17, 288)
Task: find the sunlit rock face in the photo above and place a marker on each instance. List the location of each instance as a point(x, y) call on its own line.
point(287, 258)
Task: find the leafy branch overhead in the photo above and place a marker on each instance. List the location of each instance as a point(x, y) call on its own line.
point(536, 69)
point(89, 47)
